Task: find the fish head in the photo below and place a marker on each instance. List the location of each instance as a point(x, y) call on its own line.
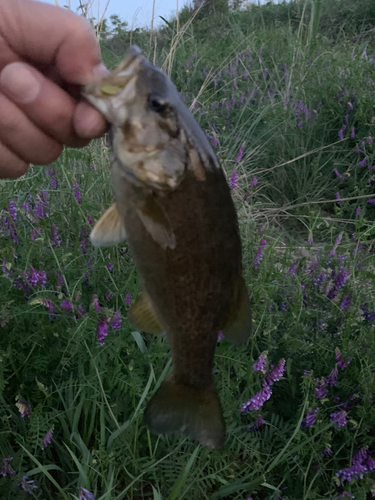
point(141, 104)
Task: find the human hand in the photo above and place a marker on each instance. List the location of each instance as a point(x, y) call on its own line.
point(46, 53)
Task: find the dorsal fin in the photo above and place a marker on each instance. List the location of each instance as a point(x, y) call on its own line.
point(109, 230)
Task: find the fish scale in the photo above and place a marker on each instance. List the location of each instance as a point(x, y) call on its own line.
point(174, 205)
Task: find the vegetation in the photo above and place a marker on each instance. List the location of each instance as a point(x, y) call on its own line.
point(286, 95)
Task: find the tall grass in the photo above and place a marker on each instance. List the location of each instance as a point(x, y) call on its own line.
point(308, 264)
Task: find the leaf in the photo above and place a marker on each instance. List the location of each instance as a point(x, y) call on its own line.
point(178, 485)
point(166, 22)
point(157, 495)
point(140, 342)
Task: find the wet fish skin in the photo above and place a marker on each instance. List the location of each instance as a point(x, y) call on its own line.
point(181, 226)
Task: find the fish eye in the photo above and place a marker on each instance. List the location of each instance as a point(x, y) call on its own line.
point(156, 105)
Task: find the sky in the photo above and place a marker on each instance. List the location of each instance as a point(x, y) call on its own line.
point(137, 12)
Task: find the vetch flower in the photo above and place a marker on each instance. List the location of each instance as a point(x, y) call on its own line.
point(352, 133)
point(310, 418)
point(95, 301)
point(110, 266)
point(321, 389)
point(233, 180)
point(293, 268)
point(358, 211)
point(338, 197)
point(360, 456)
point(56, 242)
point(339, 418)
point(5, 468)
point(28, 485)
point(257, 401)
point(85, 494)
point(240, 153)
point(332, 377)
point(345, 303)
point(67, 305)
point(116, 321)
point(259, 255)
point(258, 422)
point(363, 162)
point(77, 193)
point(341, 133)
point(47, 439)
point(337, 173)
point(35, 233)
point(340, 360)
point(53, 178)
point(275, 373)
point(327, 452)
point(128, 299)
point(102, 330)
point(371, 201)
point(354, 472)
point(12, 211)
point(220, 336)
point(36, 277)
point(260, 363)
point(23, 406)
point(299, 109)
point(341, 279)
point(253, 182)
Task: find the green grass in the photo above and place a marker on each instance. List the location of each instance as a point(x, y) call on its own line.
point(94, 396)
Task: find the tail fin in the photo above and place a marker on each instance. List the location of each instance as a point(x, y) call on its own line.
point(179, 408)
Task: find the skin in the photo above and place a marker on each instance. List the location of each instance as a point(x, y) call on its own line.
point(41, 72)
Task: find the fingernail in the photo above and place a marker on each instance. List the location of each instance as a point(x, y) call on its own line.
point(100, 70)
point(19, 83)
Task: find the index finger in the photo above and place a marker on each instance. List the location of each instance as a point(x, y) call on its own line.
point(45, 34)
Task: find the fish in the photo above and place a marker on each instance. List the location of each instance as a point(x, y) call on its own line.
point(174, 207)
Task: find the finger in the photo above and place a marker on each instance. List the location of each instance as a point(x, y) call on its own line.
point(23, 138)
point(46, 105)
point(88, 122)
point(46, 34)
point(11, 166)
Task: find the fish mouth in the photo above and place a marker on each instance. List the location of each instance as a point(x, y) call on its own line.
point(113, 93)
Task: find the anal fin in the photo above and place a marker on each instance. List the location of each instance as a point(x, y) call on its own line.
point(109, 230)
point(143, 316)
point(238, 325)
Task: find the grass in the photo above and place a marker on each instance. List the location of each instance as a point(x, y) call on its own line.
point(309, 267)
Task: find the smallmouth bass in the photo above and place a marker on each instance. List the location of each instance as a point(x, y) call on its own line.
point(174, 207)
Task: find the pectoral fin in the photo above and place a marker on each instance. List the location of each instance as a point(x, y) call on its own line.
point(238, 325)
point(109, 230)
point(143, 316)
point(157, 223)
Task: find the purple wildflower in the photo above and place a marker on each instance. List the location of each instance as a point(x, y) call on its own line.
point(275, 373)
point(56, 242)
point(108, 296)
point(352, 133)
point(345, 303)
point(28, 485)
point(259, 255)
point(260, 363)
point(337, 173)
point(341, 279)
point(220, 336)
point(77, 193)
point(253, 182)
point(35, 233)
point(25, 206)
point(85, 494)
point(240, 153)
point(358, 211)
point(363, 162)
point(110, 266)
point(300, 124)
point(372, 201)
point(299, 109)
point(327, 452)
point(341, 133)
point(66, 305)
point(53, 178)
point(321, 389)
point(128, 299)
point(42, 205)
point(293, 268)
point(360, 456)
point(332, 377)
point(340, 360)
point(338, 198)
point(47, 439)
point(95, 301)
point(116, 321)
point(102, 330)
point(310, 418)
point(257, 401)
point(258, 422)
point(12, 210)
point(346, 494)
point(23, 406)
point(6, 468)
point(37, 277)
point(233, 180)
point(339, 418)
point(338, 239)
point(353, 472)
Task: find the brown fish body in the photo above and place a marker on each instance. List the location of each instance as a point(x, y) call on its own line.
point(182, 231)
